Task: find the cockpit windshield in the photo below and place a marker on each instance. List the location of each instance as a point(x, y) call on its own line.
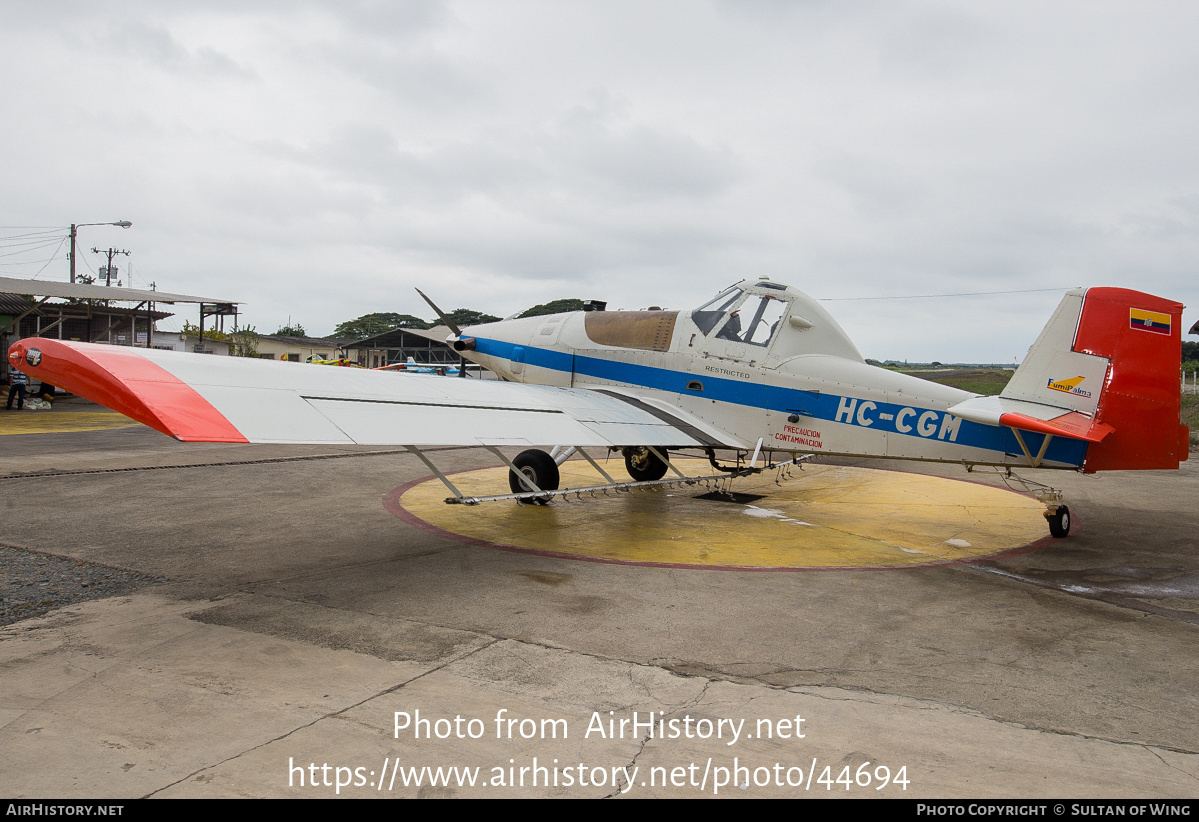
point(713, 311)
point(751, 318)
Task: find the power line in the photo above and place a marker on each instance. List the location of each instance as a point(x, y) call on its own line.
point(31, 248)
point(35, 241)
point(52, 259)
point(28, 262)
point(42, 234)
point(962, 294)
point(45, 263)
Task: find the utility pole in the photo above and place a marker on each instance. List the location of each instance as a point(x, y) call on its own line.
point(150, 319)
point(74, 229)
point(108, 281)
point(111, 252)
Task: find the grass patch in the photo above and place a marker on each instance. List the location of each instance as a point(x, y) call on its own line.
point(1190, 415)
point(975, 380)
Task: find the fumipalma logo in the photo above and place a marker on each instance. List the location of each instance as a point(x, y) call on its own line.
point(1069, 386)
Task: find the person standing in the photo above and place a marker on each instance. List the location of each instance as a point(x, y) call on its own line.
point(18, 383)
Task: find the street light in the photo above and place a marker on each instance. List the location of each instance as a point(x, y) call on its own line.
point(74, 226)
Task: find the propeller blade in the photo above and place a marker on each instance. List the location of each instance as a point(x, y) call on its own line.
point(448, 322)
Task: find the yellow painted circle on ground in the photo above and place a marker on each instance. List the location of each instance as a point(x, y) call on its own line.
point(60, 422)
point(824, 517)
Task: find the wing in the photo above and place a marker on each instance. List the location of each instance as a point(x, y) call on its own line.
point(206, 398)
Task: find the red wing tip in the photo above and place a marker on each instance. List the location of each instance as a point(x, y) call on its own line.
point(121, 378)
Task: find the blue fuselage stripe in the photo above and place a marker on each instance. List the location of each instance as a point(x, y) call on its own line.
point(892, 418)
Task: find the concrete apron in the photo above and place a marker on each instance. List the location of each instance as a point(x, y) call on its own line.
point(145, 695)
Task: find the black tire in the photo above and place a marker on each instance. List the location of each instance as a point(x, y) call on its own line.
point(643, 464)
point(539, 467)
point(1059, 522)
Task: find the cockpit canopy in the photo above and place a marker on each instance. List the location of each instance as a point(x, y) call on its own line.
point(766, 315)
point(750, 316)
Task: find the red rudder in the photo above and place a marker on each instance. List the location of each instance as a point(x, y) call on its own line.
point(1141, 335)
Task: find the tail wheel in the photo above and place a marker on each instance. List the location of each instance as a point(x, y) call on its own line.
point(539, 467)
point(1059, 521)
point(643, 465)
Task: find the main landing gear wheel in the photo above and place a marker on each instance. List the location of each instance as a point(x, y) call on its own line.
point(1059, 521)
point(643, 465)
point(541, 470)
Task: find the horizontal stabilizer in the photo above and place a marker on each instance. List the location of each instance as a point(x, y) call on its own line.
point(1031, 416)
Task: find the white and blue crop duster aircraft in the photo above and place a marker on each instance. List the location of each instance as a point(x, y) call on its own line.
point(762, 371)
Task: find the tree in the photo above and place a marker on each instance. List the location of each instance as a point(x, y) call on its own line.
point(292, 330)
point(554, 307)
point(209, 333)
point(244, 342)
point(368, 325)
point(1190, 356)
point(465, 316)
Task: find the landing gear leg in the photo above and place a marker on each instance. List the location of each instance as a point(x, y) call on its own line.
point(1056, 513)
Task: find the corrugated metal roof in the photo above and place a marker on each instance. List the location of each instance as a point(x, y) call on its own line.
point(396, 337)
point(82, 291)
point(13, 304)
point(290, 340)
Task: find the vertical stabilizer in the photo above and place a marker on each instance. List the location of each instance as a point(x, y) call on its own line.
point(1113, 355)
point(1055, 372)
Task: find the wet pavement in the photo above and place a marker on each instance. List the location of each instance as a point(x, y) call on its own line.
point(296, 616)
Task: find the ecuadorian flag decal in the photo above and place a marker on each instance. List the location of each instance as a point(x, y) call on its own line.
point(1149, 320)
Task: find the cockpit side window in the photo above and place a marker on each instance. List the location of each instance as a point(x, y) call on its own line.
point(713, 311)
point(765, 320)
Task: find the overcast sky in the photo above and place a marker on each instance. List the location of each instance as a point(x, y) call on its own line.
point(317, 161)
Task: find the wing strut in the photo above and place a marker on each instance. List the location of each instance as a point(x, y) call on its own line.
point(596, 466)
point(524, 478)
point(662, 456)
point(433, 468)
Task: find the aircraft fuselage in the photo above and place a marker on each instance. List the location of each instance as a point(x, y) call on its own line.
point(791, 378)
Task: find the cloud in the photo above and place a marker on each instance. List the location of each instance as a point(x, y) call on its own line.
point(156, 46)
point(641, 153)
